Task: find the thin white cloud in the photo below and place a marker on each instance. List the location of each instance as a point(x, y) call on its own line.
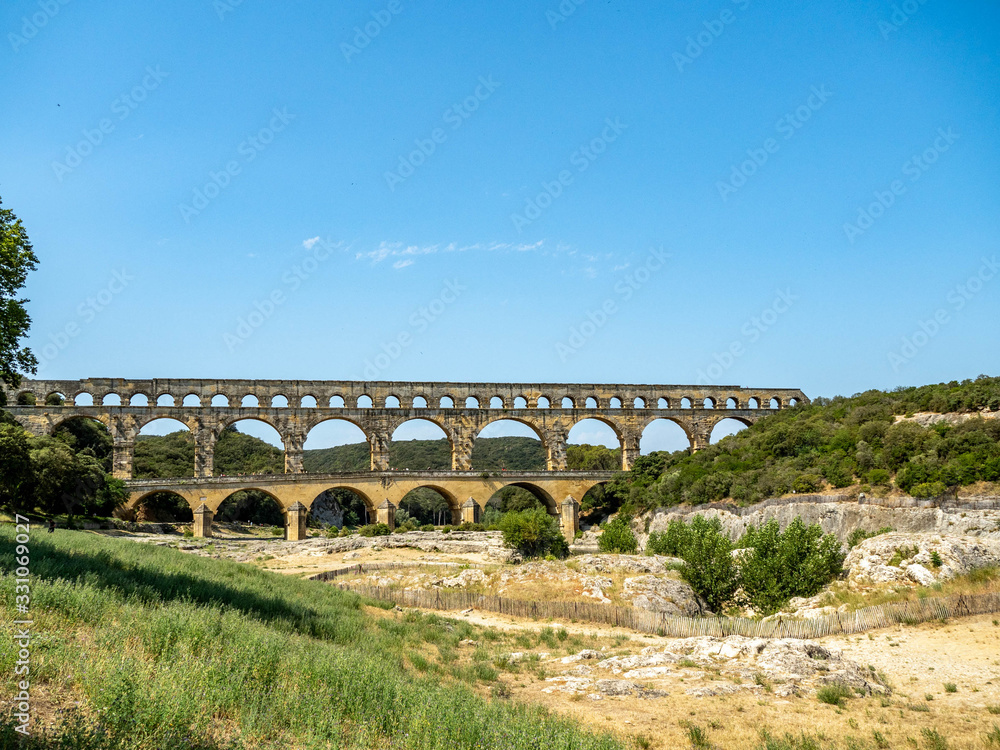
point(403, 263)
point(308, 244)
point(388, 250)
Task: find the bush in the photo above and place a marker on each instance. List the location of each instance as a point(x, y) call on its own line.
point(375, 529)
point(427, 527)
point(471, 527)
point(878, 476)
point(859, 535)
point(670, 542)
point(708, 563)
point(782, 565)
point(806, 483)
point(928, 489)
point(534, 533)
point(835, 694)
point(617, 537)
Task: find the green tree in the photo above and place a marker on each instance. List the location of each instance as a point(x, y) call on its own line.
point(16, 260)
point(617, 536)
point(782, 565)
point(708, 563)
point(16, 477)
point(533, 533)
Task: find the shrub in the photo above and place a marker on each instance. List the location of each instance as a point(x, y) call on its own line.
point(471, 527)
point(936, 560)
point(928, 489)
point(534, 533)
point(670, 542)
point(878, 476)
point(375, 529)
point(708, 565)
point(950, 687)
point(859, 535)
point(427, 527)
point(835, 694)
point(617, 537)
point(806, 483)
point(782, 565)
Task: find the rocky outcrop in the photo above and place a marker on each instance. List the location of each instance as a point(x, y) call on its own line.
point(918, 559)
point(843, 517)
point(663, 595)
point(706, 666)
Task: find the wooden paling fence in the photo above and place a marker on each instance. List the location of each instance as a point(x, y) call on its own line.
point(858, 621)
point(371, 567)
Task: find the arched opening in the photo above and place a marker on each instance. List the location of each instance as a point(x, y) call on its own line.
point(392, 402)
point(511, 499)
point(249, 446)
point(163, 448)
point(219, 400)
point(567, 403)
point(662, 403)
point(337, 402)
point(419, 402)
point(111, 399)
point(508, 445)
point(663, 435)
point(793, 402)
point(685, 403)
point(308, 402)
point(471, 402)
point(365, 402)
point(165, 399)
point(163, 507)
point(419, 444)
point(55, 399)
point(543, 402)
point(83, 399)
point(251, 507)
point(591, 402)
point(87, 438)
point(139, 399)
point(732, 403)
point(496, 402)
point(596, 504)
point(774, 403)
point(279, 402)
point(593, 445)
point(191, 400)
point(428, 505)
point(615, 403)
point(342, 507)
point(336, 445)
point(547, 501)
point(447, 402)
point(708, 403)
point(725, 428)
point(250, 401)
point(638, 403)
point(25, 398)
point(753, 404)
point(520, 402)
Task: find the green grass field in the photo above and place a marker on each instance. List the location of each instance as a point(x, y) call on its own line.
point(146, 647)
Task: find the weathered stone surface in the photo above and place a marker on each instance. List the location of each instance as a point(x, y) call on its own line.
point(655, 565)
point(663, 595)
point(840, 518)
point(908, 558)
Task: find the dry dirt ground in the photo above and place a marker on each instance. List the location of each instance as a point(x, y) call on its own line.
point(917, 662)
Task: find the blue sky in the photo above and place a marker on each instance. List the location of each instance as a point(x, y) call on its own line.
point(779, 194)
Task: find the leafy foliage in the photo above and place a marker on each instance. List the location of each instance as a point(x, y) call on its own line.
point(533, 533)
point(16, 260)
point(617, 536)
point(774, 566)
point(832, 443)
point(782, 565)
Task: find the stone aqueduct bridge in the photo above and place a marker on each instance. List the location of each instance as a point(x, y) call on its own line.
point(462, 410)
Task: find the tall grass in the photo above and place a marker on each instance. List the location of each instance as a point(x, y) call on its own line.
point(167, 650)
